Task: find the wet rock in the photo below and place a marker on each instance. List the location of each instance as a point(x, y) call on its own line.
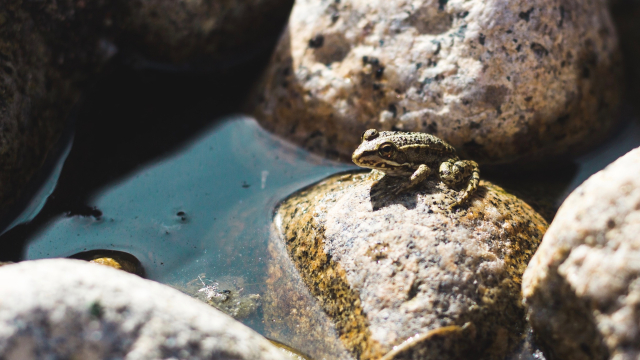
point(72, 309)
point(226, 294)
point(115, 259)
point(498, 80)
point(581, 287)
point(403, 275)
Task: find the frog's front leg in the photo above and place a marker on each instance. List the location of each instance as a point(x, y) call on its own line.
point(453, 172)
point(420, 175)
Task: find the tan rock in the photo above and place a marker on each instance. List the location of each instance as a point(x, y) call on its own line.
point(499, 80)
point(390, 270)
point(581, 287)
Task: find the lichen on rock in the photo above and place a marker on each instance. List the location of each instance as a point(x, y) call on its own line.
point(386, 268)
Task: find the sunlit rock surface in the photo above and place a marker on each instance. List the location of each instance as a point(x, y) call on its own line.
point(73, 309)
point(581, 287)
point(499, 80)
point(390, 269)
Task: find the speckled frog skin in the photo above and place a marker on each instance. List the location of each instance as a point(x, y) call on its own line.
point(416, 155)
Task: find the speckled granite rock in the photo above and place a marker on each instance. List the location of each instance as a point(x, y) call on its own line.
point(73, 309)
point(581, 287)
point(497, 79)
point(395, 269)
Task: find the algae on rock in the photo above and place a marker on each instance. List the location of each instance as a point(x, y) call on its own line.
point(386, 268)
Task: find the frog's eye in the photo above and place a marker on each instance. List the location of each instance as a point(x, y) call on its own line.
point(386, 150)
point(369, 135)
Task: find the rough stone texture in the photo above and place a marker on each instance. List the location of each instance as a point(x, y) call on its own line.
point(35, 97)
point(387, 269)
point(497, 79)
point(184, 33)
point(581, 287)
point(201, 32)
point(71, 309)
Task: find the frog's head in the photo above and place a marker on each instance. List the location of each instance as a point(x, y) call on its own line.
point(377, 152)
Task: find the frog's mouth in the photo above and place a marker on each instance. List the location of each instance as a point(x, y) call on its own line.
point(371, 160)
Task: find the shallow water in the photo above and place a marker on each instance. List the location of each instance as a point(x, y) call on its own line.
point(205, 209)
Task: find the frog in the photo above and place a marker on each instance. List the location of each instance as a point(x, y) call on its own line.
point(417, 156)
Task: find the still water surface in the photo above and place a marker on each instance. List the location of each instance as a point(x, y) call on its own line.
point(204, 209)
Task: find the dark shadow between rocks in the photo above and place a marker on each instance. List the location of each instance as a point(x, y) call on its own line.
point(540, 187)
point(130, 118)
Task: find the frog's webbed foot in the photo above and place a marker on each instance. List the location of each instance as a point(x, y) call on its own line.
point(420, 175)
point(453, 172)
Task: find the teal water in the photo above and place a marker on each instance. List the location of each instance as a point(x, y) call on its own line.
point(204, 209)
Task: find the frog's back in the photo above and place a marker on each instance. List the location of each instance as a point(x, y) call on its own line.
point(419, 140)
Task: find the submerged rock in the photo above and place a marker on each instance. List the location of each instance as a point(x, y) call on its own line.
point(403, 275)
point(226, 294)
point(498, 80)
point(581, 287)
point(115, 259)
point(72, 309)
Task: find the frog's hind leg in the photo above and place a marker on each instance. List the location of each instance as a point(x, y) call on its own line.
point(453, 172)
point(472, 183)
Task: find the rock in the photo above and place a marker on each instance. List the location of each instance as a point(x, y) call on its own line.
point(498, 80)
point(402, 274)
point(203, 34)
point(116, 259)
point(66, 308)
point(581, 287)
point(188, 34)
point(226, 294)
point(35, 97)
